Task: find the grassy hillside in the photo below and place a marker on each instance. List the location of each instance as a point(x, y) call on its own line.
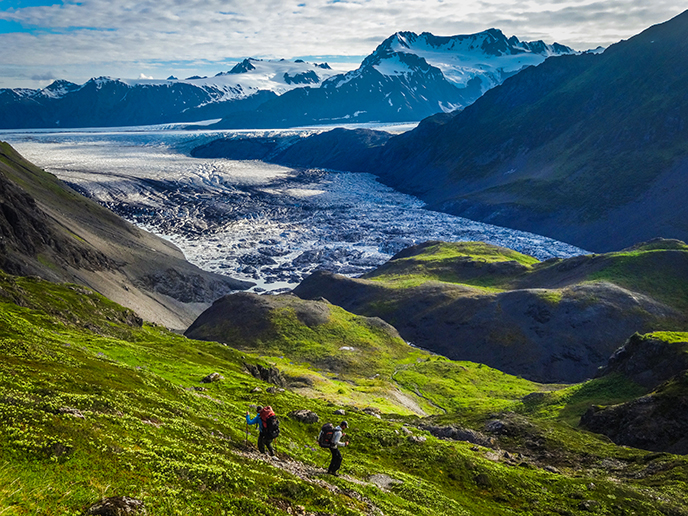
point(552, 321)
point(95, 403)
point(658, 269)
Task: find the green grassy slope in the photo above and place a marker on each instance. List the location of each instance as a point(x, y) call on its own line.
point(552, 321)
point(658, 269)
point(94, 403)
point(347, 358)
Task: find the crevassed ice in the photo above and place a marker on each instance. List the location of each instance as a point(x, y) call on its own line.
point(252, 220)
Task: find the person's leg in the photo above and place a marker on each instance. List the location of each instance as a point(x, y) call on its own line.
point(332, 461)
point(336, 461)
point(261, 443)
point(268, 445)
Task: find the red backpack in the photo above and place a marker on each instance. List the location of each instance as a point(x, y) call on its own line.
point(270, 422)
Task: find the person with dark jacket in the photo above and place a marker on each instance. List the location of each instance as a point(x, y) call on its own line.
point(337, 442)
point(263, 440)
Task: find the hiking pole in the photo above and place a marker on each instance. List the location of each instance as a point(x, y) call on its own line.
point(246, 438)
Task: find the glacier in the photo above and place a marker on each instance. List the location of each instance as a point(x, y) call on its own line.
point(251, 220)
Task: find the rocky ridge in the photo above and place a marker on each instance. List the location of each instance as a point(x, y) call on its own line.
point(657, 421)
point(51, 231)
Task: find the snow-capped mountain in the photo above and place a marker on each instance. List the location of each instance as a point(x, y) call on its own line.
point(477, 61)
point(106, 101)
point(408, 77)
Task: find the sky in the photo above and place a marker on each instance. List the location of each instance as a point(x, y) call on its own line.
point(44, 40)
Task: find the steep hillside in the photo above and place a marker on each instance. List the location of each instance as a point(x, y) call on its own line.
point(588, 149)
point(95, 405)
point(555, 321)
point(48, 230)
point(657, 421)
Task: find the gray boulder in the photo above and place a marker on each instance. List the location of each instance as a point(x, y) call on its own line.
point(460, 434)
point(212, 377)
point(304, 416)
point(267, 374)
point(117, 506)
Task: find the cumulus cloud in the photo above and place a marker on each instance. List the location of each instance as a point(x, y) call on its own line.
point(96, 32)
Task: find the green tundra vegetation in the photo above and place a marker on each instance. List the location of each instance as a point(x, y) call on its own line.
point(96, 403)
point(657, 269)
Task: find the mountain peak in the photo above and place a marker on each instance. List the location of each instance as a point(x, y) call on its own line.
point(488, 43)
point(58, 88)
point(245, 66)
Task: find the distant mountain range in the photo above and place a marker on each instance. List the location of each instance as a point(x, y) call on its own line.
point(107, 102)
point(589, 149)
point(407, 78)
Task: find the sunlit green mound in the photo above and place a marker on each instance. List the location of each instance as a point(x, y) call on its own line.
point(658, 269)
point(328, 352)
point(95, 404)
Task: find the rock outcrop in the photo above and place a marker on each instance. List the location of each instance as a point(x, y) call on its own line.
point(304, 416)
point(267, 374)
point(657, 421)
point(117, 506)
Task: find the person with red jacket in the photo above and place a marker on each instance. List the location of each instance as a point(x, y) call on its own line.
point(264, 440)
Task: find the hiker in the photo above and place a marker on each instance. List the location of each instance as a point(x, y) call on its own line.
point(268, 428)
point(332, 438)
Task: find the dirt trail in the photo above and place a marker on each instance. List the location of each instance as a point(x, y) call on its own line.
point(416, 391)
point(318, 477)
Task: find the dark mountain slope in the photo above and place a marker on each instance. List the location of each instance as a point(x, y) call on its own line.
point(659, 420)
point(48, 230)
point(589, 149)
point(338, 149)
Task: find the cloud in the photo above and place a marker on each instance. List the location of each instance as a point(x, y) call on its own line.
point(146, 77)
point(48, 76)
point(100, 33)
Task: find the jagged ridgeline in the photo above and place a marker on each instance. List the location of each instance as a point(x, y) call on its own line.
point(96, 404)
point(409, 76)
